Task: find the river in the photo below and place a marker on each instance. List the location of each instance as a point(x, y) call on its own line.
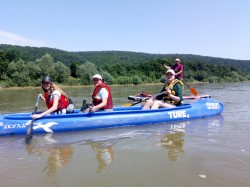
point(210, 152)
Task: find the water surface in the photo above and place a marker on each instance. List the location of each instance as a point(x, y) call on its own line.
point(202, 152)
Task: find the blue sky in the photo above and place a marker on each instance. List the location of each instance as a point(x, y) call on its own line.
point(217, 28)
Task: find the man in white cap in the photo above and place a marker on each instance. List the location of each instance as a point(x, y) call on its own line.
point(172, 96)
point(178, 68)
point(102, 97)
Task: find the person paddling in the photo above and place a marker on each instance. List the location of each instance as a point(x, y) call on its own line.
point(178, 68)
point(172, 96)
point(55, 98)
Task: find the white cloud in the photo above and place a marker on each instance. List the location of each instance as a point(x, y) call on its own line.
point(15, 39)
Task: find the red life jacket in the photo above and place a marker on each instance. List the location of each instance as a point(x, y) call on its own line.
point(62, 103)
point(98, 101)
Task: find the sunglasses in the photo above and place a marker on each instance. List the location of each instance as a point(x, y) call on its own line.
point(169, 74)
point(44, 82)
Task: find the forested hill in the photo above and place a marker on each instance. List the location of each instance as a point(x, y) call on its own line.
point(114, 57)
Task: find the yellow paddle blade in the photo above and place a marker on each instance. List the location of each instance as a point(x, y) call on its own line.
point(127, 104)
point(194, 91)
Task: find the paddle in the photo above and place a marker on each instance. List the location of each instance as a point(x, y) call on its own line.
point(134, 98)
point(196, 97)
point(144, 99)
point(29, 132)
point(193, 90)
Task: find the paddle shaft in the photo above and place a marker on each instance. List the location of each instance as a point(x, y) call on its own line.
point(196, 97)
point(134, 98)
point(193, 90)
point(153, 96)
point(29, 132)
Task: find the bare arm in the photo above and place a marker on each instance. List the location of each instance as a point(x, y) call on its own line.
point(41, 96)
point(101, 105)
point(167, 67)
point(52, 109)
point(179, 72)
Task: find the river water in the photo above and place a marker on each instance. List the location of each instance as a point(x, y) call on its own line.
point(204, 152)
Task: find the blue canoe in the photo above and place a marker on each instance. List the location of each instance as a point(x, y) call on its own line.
point(11, 124)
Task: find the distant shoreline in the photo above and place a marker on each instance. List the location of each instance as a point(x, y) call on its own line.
point(86, 86)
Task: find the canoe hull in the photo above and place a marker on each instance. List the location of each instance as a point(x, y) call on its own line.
point(11, 124)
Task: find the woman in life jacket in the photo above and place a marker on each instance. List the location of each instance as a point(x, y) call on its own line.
point(101, 97)
point(54, 97)
point(172, 96)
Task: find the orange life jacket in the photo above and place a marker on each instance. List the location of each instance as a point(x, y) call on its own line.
point(97, 101)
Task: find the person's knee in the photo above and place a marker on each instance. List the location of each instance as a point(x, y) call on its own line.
point(150, 102)
point(156, 104)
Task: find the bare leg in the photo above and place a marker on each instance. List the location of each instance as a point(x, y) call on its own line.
point(161, 104)
point(148, 104)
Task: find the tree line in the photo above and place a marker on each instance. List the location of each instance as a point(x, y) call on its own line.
point(16, 69)
point(28, 53)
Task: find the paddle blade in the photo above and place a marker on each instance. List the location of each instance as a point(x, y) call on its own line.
point(194, 91)
point(29, 133)
point(28, 139)
point(127, 104)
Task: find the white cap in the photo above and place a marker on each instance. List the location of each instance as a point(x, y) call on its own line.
point(177, 60)
point(171, 71)
point(97, 76)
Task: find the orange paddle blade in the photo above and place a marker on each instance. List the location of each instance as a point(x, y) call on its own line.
point(194, 91)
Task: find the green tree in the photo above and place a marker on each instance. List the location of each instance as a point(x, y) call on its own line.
point(12, 54)
point(18, 72)
point(73, 68)
point(61, 73)
point(108, 78)
point(85, 72)
point(46, 65)
point(35, 73)
point(136, 80)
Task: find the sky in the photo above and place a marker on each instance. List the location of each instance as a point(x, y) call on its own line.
point(216, 28)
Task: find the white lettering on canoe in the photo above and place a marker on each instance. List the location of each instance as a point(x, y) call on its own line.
point(14, 126)
point(213, 106)
point(178, 114)
point(17, 126)
point(45, 127)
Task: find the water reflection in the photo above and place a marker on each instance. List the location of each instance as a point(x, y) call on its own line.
point(174, 141)
point(59, 148)
point(57, 158)
point(173, 138)
point(58, 155)
point(104, 156)
point(103, 146)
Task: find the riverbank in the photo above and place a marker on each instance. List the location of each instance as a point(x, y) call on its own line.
point(88, 86)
